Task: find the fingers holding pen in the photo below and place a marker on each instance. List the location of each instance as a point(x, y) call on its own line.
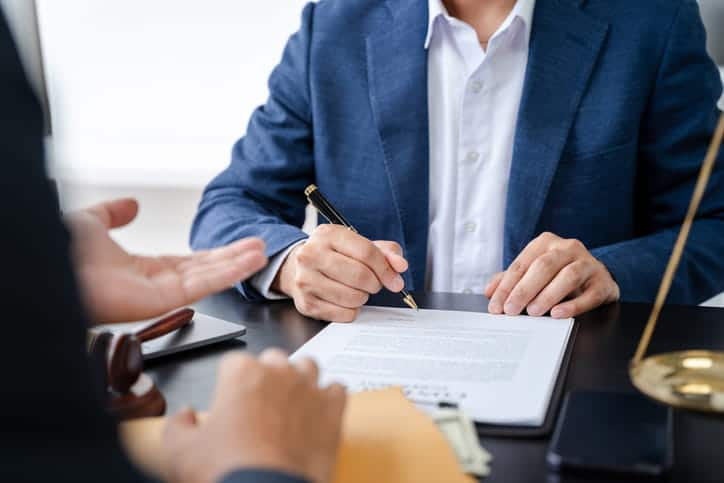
point(393, 253)
point(335, 271)
point(356, 247)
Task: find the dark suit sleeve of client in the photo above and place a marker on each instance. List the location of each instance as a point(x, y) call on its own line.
point(52, 426)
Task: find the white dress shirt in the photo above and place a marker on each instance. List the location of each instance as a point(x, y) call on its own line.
point(473, 98)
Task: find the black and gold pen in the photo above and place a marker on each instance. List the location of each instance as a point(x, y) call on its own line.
point(325, 208)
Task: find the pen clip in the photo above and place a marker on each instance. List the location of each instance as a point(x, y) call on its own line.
point(350, 228)
point(320, 203)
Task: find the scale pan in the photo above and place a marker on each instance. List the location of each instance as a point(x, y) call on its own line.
point(692, 380)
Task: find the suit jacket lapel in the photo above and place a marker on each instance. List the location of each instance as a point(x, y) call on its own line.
point(565, 43)
point(397, 71)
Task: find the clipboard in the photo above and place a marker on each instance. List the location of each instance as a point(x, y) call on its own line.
point(486, 430)
point(555, 375)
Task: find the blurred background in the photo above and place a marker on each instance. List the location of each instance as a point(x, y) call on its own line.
point(147, 97)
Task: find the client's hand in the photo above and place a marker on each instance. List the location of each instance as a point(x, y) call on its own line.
point(266, 414)
point(333, 273)
point(118, 286)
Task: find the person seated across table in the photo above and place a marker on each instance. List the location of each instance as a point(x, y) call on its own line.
point(539, 152)
point(268, 423)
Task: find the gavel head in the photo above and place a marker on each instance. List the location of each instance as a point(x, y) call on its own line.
point(122, 358)
point(120, 354)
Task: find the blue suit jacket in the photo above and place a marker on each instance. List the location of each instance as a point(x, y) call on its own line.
point(618, 106)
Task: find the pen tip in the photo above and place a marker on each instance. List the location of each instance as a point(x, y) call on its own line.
point(411, 302)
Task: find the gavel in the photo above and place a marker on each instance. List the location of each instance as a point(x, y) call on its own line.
point(131, 393)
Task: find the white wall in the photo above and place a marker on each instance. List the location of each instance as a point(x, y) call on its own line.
point(155, 92)
point(149, 96)
point(21, 17)
point(163, 222)
point(712, 13)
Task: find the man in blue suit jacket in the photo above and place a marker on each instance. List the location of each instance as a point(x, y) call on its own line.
point(616, 107)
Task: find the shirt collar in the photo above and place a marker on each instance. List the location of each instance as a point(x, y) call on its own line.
point(522, 9)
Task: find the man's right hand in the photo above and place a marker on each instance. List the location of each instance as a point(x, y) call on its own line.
point(268, 414)
point(335, 271)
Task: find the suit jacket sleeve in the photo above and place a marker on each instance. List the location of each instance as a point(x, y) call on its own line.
point(260, 476)
point(676, 130)
point(261, 193)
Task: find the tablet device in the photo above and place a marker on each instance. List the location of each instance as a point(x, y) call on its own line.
point(203, 330)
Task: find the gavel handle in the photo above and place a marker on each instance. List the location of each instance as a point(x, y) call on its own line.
point(168, 324)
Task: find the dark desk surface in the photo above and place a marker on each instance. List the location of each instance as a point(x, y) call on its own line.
point(606, 341)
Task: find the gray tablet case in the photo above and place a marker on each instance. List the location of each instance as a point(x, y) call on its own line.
point(203, 330)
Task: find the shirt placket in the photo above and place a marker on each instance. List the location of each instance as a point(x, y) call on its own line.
point(473, 149)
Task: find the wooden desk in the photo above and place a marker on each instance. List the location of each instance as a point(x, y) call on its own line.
point(606, 341)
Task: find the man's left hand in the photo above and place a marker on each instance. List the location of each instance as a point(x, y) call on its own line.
point(552, 274)
point(118, 286)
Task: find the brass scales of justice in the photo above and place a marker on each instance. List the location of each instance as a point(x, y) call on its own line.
point(692, 379)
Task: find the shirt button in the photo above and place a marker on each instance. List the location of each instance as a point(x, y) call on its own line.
point(472, 156)
point(476, 87)
point(467, 291)
point(471, 227)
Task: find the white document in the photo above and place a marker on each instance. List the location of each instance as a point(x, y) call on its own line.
point(498, 369)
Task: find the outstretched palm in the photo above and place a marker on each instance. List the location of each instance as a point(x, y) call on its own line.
point(119, 286)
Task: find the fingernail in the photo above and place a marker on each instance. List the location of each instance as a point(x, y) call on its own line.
point(534, 310)
point(510, 308)
point(558, 313)
point(397, 283)
point(495, 307)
